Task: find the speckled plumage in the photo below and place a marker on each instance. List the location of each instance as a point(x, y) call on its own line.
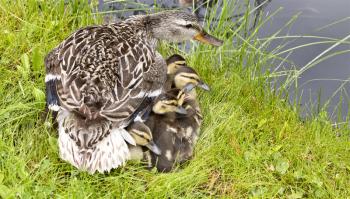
point(102, 68)
point(102, 75)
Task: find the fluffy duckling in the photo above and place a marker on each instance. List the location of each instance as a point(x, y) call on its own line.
point(176, 135)
point(166, 103)
point(179, 74)
point(174, 62)
point(187, 76)
point(143, 136)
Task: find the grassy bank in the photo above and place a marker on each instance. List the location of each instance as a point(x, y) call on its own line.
point(253, 143)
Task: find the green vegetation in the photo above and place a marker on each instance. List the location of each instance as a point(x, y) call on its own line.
point(253, 143)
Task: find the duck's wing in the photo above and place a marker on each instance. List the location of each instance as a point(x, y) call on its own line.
point(100, 71)
point(139, 99)
point(51, 79)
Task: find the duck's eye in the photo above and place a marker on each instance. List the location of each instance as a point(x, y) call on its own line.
point(189, 26)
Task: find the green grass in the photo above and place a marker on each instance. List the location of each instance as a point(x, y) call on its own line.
point(253, 143)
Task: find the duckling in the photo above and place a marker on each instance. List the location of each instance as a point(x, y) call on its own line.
point(179, 74)
point(174, 62)
point(165, 103)
point(143, 136)
point(188, 129)
point(187, 76)
point(176, 135)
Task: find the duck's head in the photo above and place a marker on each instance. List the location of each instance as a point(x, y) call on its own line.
point(143, 136)
point(170, 102)
point(187, 78)
point(178, 26)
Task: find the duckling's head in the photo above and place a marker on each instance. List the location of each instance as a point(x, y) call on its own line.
point(143, 136)
point(170, 102)
point(178, 26)
point(186, 77)
point(174, 63)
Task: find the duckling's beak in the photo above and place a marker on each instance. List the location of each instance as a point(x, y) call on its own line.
point(203, 86)
point(208, 39)
point(154, 148)
point(188, 87)
point(181, 110)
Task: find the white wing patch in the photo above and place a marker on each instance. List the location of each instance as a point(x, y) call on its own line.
point(54, 107)
point(155, 93)
point(49, 77)
point(168, 155)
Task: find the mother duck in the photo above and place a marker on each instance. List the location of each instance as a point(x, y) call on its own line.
point(101, 77)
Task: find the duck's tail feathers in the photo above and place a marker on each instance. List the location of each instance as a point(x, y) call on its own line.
point(86, 149)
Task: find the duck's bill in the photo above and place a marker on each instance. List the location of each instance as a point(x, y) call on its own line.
point(204, 86)
point(208, 39)
point(181, 110)
point(188, 87)
point(154, 148)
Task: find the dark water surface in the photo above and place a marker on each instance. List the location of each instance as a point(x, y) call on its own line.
point(316, 85)
point(320, 82)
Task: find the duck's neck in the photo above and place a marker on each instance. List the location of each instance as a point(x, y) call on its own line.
point(144, 25)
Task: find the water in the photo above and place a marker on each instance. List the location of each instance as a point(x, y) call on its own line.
point(319, 83)
point(316, 85)
point(122, 10)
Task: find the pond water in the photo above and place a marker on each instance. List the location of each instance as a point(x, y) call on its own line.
point(318, 84)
